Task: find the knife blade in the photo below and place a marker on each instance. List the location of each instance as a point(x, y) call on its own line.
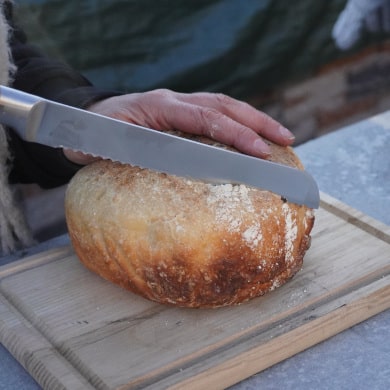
point(58, 125)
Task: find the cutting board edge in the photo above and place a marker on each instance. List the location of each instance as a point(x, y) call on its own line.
point(31, 349)
point(355, 217)
point(35, 260)
point(249, 362)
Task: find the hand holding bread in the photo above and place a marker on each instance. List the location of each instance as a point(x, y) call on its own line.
point(216, 116)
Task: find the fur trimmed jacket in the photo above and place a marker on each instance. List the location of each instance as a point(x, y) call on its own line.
point(24, 67)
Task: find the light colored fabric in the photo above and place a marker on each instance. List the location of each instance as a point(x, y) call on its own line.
point(379, 19)
point(358, 15)
point(14, 231)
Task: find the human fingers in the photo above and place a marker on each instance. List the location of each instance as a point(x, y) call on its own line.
point(215, 116)
point(209, 122)
point(219, 117)
point(244, 114)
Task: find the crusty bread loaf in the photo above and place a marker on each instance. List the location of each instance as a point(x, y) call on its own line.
point(184, 242)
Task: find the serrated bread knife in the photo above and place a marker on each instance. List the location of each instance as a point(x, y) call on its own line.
point(57, 125)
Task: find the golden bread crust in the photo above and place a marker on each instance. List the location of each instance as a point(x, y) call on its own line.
point(183, 242)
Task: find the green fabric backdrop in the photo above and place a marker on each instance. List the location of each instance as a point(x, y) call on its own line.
point(239, 47)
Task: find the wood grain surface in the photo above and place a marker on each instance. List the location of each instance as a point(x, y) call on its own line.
point(72, 330)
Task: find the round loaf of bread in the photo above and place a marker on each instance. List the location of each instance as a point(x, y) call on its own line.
point(184, 242)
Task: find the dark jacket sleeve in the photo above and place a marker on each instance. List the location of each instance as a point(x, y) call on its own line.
point(54, 80)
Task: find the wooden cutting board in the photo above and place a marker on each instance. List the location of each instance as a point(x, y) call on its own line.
point(71, 329)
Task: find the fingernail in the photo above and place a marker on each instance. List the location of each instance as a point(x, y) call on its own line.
point(262, 147)
point(286, 133)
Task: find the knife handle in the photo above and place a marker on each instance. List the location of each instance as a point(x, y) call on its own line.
point(21, 111)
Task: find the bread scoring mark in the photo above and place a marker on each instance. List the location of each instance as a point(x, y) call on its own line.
point(291, 231)
point(309, 219)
